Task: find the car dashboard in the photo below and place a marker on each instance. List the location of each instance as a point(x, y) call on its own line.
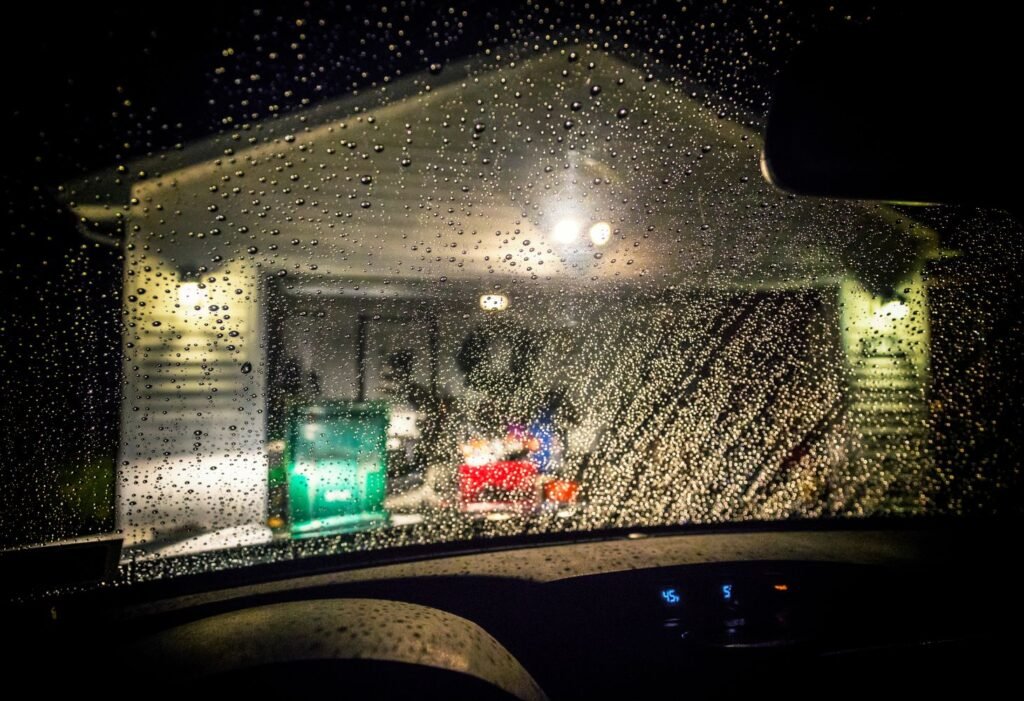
point(704, 616)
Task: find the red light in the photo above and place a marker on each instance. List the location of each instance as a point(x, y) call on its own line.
point(514, 477)
point(780, 587)
point(561, 491)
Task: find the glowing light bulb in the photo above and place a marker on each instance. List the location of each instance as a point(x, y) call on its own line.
point(190, 293)
point(567, 230)
point(896, 309)
point(601, 233)
point(493, 303)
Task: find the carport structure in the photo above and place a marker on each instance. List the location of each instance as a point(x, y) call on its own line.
point(485, 178)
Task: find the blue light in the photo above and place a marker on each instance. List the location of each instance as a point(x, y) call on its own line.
point(727, 592)
point(670, 597)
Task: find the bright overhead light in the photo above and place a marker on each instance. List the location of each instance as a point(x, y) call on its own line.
point(567, 230)
point(600, 233)
point(190, 294)
point(887, 315)
point(493, 303)
point(894, 309)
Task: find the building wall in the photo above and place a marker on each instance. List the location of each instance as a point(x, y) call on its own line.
point(192, 429)
point(887, 347)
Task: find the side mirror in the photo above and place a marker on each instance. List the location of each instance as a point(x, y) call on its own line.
point(910, 112)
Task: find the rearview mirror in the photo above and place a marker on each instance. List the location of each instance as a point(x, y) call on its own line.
point(906, 112)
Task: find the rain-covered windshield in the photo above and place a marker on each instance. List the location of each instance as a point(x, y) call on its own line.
point(320, 278)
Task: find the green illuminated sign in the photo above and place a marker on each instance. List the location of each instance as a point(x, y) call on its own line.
point(337, 465)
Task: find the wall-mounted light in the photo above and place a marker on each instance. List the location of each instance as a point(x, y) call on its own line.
point(895, 309)
point(493, 303)
point(190, 294)
point(567, 230)
point(600, 233)
point(887, 314)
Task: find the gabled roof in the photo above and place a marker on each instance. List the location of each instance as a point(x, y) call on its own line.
point(468, 172)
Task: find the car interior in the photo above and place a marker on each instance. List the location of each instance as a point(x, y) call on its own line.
point(526, 593)
point(722, 612)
